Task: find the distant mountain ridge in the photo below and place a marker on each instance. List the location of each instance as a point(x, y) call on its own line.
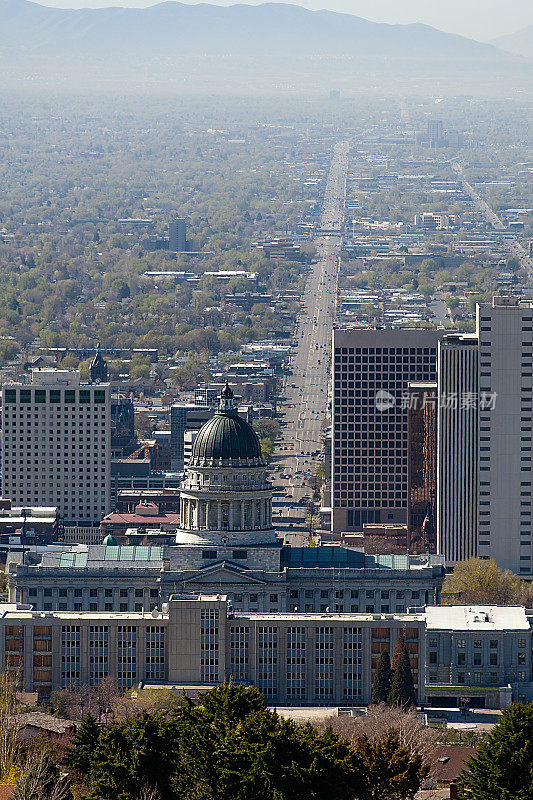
point(207, 45)
point(520, 42)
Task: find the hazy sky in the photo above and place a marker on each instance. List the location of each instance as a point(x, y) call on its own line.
point(479, 19)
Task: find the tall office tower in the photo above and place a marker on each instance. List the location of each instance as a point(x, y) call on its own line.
point(56, 445)
point(177, 235)
point(371, 373)
point(422, 468)
point(435, 131)
point(178, 426)
point(505, 334)
point(457, 447)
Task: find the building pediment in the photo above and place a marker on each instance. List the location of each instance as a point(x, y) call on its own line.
point(223, 572)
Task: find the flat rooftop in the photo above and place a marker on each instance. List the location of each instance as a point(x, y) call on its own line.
point(477, 618)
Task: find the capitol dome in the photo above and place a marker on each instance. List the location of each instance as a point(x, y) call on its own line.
point(226, 439)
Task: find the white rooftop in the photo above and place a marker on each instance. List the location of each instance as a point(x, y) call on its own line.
point(477, 618)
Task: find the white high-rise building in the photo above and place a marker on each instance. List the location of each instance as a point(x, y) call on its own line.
point(505, 336)
point(56, 445)
point(484, 479)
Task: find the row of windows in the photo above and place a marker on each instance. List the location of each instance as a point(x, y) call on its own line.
point(54, 395)
point(77, 592)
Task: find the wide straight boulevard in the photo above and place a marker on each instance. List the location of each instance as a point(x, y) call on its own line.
point(304, 406)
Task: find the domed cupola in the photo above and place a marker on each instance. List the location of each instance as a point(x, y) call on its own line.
point(226, 440)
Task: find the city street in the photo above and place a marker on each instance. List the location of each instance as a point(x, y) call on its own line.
point(305, 392)
point(515, 246)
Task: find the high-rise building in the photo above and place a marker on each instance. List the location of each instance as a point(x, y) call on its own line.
point(457, 447)
point(185, 417)
point(422, 467)
point(435, 132)
point(177, 235)
point(505, 336)
point(123, 438)
point(56, 445)
point(371, 373)
point(485, 430)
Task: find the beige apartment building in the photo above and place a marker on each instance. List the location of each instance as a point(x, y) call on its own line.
point(56, 445)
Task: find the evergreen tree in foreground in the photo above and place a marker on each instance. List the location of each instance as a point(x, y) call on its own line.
point(81, 751)
point(382, 679)
point(502, 767)
point(402, 691)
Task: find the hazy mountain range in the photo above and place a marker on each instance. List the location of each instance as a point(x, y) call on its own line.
point(520, 42)
point(237, 48)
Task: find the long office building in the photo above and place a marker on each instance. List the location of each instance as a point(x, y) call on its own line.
point(481, 653)
point(56, 445)
point(295, 659)
point(371, 373)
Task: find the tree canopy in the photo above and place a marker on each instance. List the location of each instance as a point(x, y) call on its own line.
point(502, 767)
point(228, 745)
point(480, 581)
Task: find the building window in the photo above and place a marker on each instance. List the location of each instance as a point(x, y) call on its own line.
point(155, 652)
point(127, 655)
point(70, 656)
point(98, 653)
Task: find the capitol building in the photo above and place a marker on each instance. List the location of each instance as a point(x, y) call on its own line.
point(226, 543)
point(226, 499)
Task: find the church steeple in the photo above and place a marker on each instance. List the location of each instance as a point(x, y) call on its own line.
point(98, 368)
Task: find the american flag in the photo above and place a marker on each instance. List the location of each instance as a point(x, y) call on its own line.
point(426, 520)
